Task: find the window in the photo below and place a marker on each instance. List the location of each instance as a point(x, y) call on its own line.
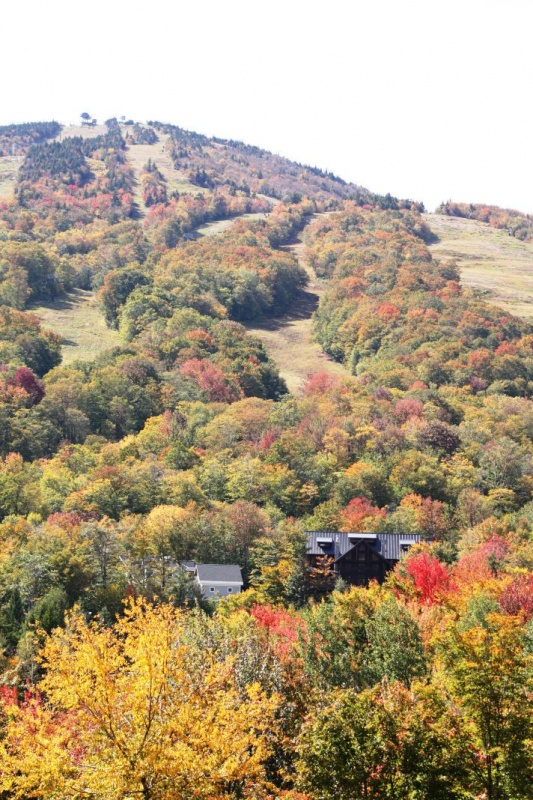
point(230, 590)
point(212, 589)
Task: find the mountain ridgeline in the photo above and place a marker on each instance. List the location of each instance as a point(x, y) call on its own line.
point(183, 444)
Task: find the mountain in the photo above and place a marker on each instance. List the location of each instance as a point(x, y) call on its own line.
point(205, 351)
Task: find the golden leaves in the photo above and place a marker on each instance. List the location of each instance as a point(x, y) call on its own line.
point(127, 714)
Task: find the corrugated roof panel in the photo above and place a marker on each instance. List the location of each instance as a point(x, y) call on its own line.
point(389, 545)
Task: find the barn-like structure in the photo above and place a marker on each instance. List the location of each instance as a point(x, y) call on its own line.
point(358, 558)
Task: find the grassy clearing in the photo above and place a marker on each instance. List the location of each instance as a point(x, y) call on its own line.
point(85, 131)
point(217, 227)
point(489, 260)
point(9, 167)
point(138, 156)
point(221, 225)
point(288, 338)
point(79, 321)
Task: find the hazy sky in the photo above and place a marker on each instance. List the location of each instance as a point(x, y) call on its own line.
point(427, 99)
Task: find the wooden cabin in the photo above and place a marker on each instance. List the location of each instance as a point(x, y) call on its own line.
point(358, 558)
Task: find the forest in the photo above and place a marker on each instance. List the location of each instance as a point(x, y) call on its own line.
point(117, 679)
point(15, 139)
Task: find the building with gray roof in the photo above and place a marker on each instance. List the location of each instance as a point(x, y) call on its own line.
point(218, 580)
point(356, 557)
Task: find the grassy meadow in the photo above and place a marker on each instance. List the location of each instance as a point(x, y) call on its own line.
point(489, 260)
point(288, 338)
point(138, 156)
point(85, 131)
point(79, 321)
point(9, 167)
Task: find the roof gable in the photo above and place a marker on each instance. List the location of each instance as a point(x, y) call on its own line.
point(361, 544)
point(389, 545)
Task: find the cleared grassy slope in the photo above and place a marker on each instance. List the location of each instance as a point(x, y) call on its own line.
point(221, 225)
point(9, 167)
point(138, 156)
point(489, 260)
point(85, 131)
point(78, 320)
point(288, 338)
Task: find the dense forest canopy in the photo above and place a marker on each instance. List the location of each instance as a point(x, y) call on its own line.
point(16, 139)
point(183, 444)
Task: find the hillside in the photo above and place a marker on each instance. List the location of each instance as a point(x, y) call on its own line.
point(159, 153)
point(489, 259)
point(513, 222)
point(288, 339)
point(211, 162)
point(157, 145)
point(211, 356)
point(9, 167)
point(15, 140)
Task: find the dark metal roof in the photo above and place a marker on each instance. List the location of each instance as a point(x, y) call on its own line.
point(225, 573)
point(389, 545)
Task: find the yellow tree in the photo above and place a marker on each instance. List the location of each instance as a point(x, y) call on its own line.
point(491, 675)
point(127, 714)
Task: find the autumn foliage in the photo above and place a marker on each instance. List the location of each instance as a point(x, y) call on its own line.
point(118, 679)
point(430, 577)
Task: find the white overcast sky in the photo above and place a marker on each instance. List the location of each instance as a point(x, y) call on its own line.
point(427, 99)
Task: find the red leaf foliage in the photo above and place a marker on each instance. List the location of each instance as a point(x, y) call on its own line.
point(357, 510)
point(211, 380)
point(517, 597)
point(431, 577)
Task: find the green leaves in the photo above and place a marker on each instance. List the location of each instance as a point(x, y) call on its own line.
point(386, 743)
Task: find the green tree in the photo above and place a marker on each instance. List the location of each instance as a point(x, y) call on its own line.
point(12, 618)
point(386, 743)
point(395, 650)
point(49, 612)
